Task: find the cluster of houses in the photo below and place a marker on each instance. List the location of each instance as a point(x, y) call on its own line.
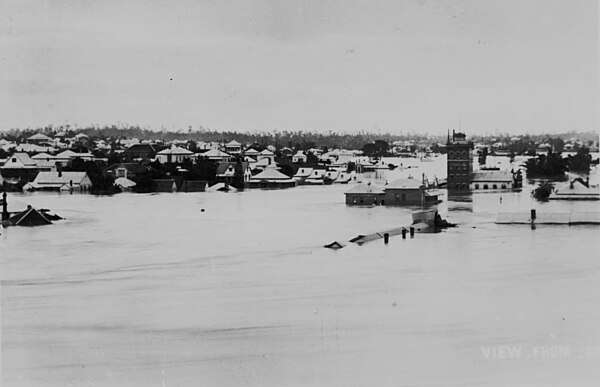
point(41, 161)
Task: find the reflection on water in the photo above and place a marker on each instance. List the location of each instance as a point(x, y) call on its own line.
point(149, 290)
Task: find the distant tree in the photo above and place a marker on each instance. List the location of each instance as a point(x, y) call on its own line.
point(558, 144)
point(378, 148)
point(483, 155)
point(550, 165)
point(238, 174)
point(351, 166)
point(311, 159)
point(581, 161)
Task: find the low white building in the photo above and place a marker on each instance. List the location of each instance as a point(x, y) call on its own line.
point(487, 180)
point(60, 181)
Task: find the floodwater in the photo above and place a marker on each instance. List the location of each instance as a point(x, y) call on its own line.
point(149, 290)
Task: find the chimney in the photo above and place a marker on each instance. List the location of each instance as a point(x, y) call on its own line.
point(60, 172)
point(4, 207)
point(587, 182)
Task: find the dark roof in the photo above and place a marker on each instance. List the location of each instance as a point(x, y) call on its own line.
point(223, 166)
point(140, 148)
point(29, 217)
point(164, 185)
point(194, 186)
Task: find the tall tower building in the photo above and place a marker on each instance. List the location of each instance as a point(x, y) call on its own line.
point(460, 161)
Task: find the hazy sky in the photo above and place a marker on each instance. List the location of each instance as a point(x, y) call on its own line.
point(413, 65)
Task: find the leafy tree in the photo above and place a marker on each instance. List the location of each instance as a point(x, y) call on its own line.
point(550, 165)
point(542, 191)
point(377, 148)
point(581, 161)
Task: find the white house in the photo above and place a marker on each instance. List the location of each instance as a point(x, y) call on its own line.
point(60, 181)
point(233, 147)
point(39, 138)
point(174, 154)
point(19, 161)
point(226, 171)
point(299, 157)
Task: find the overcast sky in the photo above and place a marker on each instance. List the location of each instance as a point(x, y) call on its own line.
point(413, 65)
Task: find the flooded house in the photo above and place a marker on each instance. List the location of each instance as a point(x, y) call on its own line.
point(302, 174)
point(576, 189)
point(165, 185)
point(343, 178)
point(365, 195)
point(125, 170)
point(491, 179)
point(226, 172)
point(19, 166)
point(331, 176)
point(272, 178)
point(60, 181)
point(316, 177)
point(410, 192)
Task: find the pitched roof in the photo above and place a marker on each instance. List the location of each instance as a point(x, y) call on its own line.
point(578, 188)
point(175, 150)
point(67, 154)
point(222, 167)
point(137, 148)
point(497, 176)
point(29, 217)
point(404, 184)
point(40, 137)
point(251, 151)
point(270, 174)
point(266, 152)
point(59, 178)
point(233, 143)
point(42, 156)
point(24, 159)
point(363, 188)
point(215, 153)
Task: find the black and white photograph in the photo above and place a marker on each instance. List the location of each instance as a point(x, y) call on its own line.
point(269, 193)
